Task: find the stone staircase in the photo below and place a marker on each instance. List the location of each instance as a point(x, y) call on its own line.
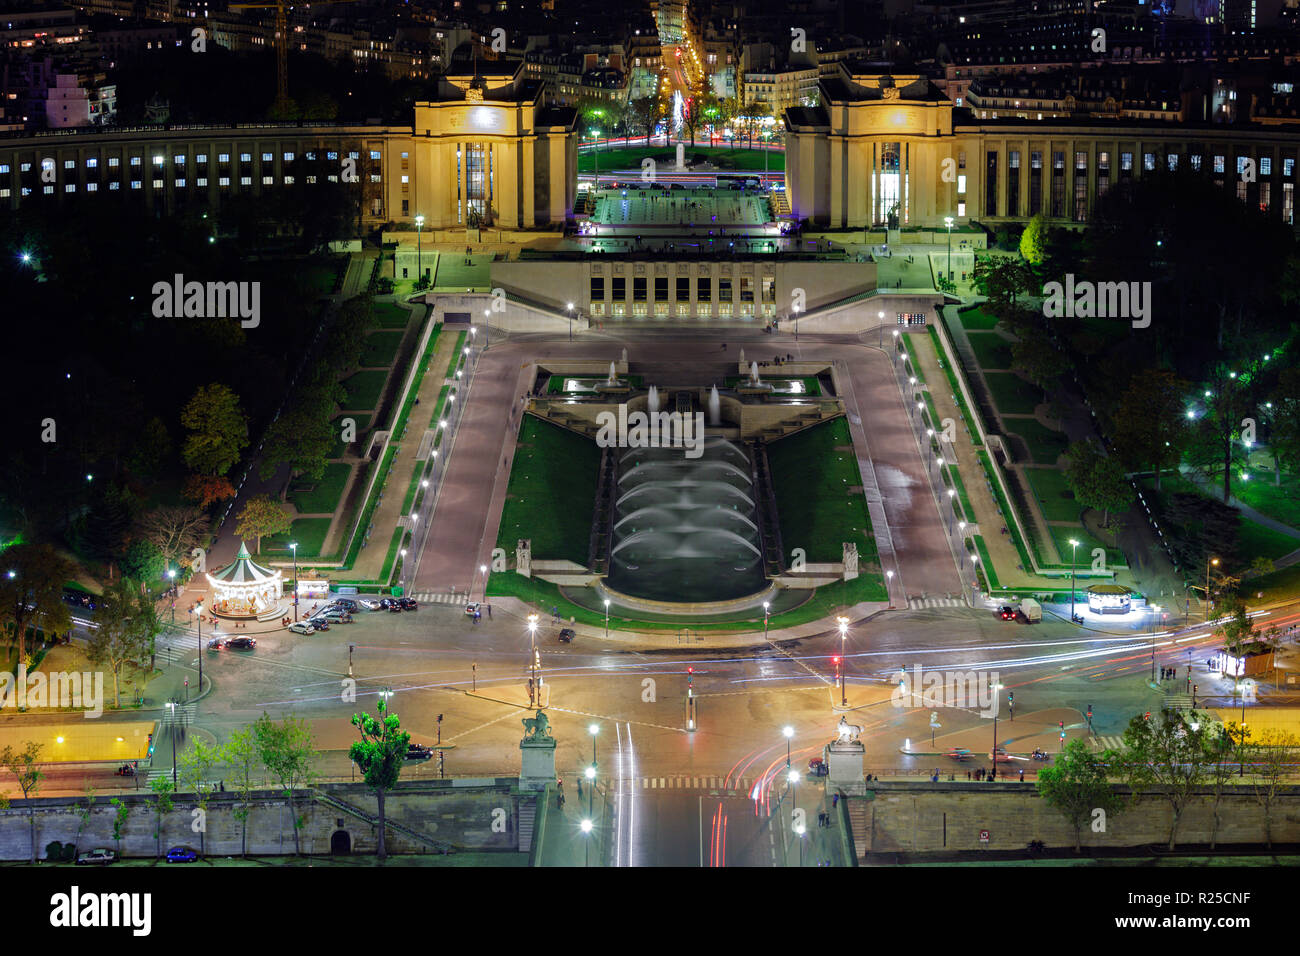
point(859, 824)
point(352, 810)
point(602, 521)
point(765, 497)
point(527, 823)
point(822, 411)
point(780, 203)
point(554, 412)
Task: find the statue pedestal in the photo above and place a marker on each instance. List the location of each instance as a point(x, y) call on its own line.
point(844, 766)
point(537, 767)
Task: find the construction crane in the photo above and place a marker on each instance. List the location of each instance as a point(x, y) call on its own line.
point(281, 9)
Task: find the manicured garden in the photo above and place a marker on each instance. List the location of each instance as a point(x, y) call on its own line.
point(363, 389)
point(362, 422)
point(380, 349)
point(390, 315)
point(1281, 503)
point(1054, 495)
point(310, 496)
point(812, 474)
point(308, 532)
point(1045, 444)
point(1012, 394)
point(978, 319)
point(723, 157)
point(992, 351)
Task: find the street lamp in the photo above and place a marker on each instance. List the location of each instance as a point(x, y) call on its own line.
point(293, 546)
point(171, 576)
point(895, 346)
point(796, 323)
point(1215, 562)
point(889, 587)
point(586, 831)
point(569, 309)
point(947, 221)
point(419, 249)
point(606, 618)
point(487, 328)
point(532, 636)
point(766, 615)
point(880, 339)
point(952, 493)
point(800, 830)
point(789, 732)
point(590, 774)
point(198, 609)
point(843, 622)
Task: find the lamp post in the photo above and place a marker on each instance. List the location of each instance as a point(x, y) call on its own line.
point(1212, 561)
point(487, 329)
point(843, 622)
point(532, 660)
point(895, 346)
point(586, 831)
point(952, 494)
point(947, 221)
point(800, 830)
point(171, 706)
point(171, 576)
point(198, 609)
point(789, 732)
point(766, 614)
point(796, 323)
point(293, 546)
point(606, 618)
point(793, 778)
point(419, 249)
point(569, 308)
point(889, 587)
point(880, 339)
point(1074, 545)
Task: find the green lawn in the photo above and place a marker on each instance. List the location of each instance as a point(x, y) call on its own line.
point(390, 315)
point(992, 351)
point(725, 158)
point(1258, 541)
point(978, 319)
point(362, 423)
point(1084, 553)
point(321, 497)
point(913, 366)
point(1279, 503)
point(321, 276)
point(1045, 444)
point(364, 389)
point(308, 532)
point(455, 276)
point(812, 473)
point(1054, 494)
point(380, 349)
point(1012, 394)
point(552, 492)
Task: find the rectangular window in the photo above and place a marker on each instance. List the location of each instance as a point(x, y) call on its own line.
point(92, 163)
point(114, 186)
point(1241, 165)
point(620, 289)
point(201, 158)
point(114, 162)
point(223, 181)
point(223, 157)
point(683, 289)
point(597, 288)
point(92, 187)
point(1125, 165)
point(1218, 164)
point(1148, 162)
point(724, 290)
point(704, 290)
point(1172, 160)
point(1288, 203)
point(961, 184)
point(1103, 173)
point(638, 289)
point(769, 288)
point(245, 180)
point(661, 288)
point(1035, 182)
point(991, 183)
point(70, 188)
point(69, 164)
point(961, 159)
point(1266, 165)
point(1013, 182)
point(268, 180)
point(201, 181)
point(374, 154)
point(137, 184)
point(180, 184)
point(179, 159)
point(1195, 160)
point(288, 157)
point(1080, 186)
point(135, 160)
point(746, 288)
point(268, 157)
point(245, 157)
point(1288, 167)
point(158, 160)
point(1265, 193)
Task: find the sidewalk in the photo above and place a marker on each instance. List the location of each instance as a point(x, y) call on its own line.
point(563, 841)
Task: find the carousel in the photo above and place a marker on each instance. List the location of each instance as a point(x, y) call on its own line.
point(245, 589)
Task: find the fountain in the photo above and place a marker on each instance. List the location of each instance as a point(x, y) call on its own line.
point(613, 385)
point(715, 407)
point(753, 374)
point(613, 374)
point(685, 529)
point(652, 400)
point(753, 385)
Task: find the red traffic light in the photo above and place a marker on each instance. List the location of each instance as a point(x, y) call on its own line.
point(1147, 716)
point(690, 670)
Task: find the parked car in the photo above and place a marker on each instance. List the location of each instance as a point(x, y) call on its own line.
point(418, 752)
point(301, 627)
point(817, 767)
point(346, 604)
point(241, 643)
point(567, 635)
point(394, 608)
point(182, 854)
point(472, 608)
point(369, 604)
point(386, 603)
point(216, 644)
point(1007, 613)
point(97, 857)
point(409, 604)
point(319, 623)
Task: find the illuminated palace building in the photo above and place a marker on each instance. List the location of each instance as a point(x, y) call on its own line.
point(879, 150)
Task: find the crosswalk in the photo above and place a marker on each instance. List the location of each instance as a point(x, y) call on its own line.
point(742, 785)
point(1108, 742)
point(921, 603)
point(438, 597)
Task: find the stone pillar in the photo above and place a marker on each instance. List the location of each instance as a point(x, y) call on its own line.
point(844, 766)
point(537, 763)
point(524, 557)
point(850, 561)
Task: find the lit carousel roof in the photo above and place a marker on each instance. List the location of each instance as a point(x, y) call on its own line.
point(244, 570)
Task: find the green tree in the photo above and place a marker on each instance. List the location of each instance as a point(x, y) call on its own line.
point(263, 515)
point(240, 753)
point(1033, 241)
point(1001, 279)
point(1272, 758)
point(85, 809)
point(161, 805)
point(1097, 480)
point(121, 810)
point(175, 530)
point(379, 753)
point(644, 113)
point(117, 640)
point(196, 763)
point(1166, 757)
point(31, 591)
point(143, 561)
point(23, 765)
point(1285, 419)
point(1150, 423)
point(1035, 357)
point(288, 752)
point(218, 430)
point(302, 437)
point(1075, 785)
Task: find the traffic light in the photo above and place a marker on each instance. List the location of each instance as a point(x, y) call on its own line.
point(1147, 715)
point(1061, 724)
point(1011, 698)
point(1090, 711)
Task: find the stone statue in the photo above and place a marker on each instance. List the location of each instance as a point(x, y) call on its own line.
point(845, 731)
point(537, 728)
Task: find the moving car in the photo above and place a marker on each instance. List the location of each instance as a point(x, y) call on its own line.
point(182, 854)
point(472, 608)
point(241, 643)
point(567, 635)
point(97, 857)
point(216, 644)
point(958, 753)
point(301, 627)
point(1007, 613)
point(418, 752)
point(1031, 611)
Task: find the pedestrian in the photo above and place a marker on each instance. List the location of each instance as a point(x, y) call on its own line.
point(1022, 775)
point(835, 800)
point(579, 788)
point(489, 607)
point(968, 775)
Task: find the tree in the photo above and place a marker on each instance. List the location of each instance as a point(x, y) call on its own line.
point(1001, 279)
point(176, 530)
point(207, 489)
point(1098, 481)
point(22, 764)
point(1033, 241)
point(218, 430)
point(122, 810)
point(287, 751)
point(1285, 433)
point(302, 437)
point(31, 591)
point(379, 753)
point(1166, 756)
point(263, 515)
point(1218, 770)
point(85, 809)
point(1150, 426)
point(644, 112)
point(1075, 785)
point(1237, 631)
point(161, 805)
point(150, 449)
point(114, 641)
point(1035, 357)
point(1273, 756)
point(143, 561)
point(195, 766)
point(240, 753)
point(1216, 436)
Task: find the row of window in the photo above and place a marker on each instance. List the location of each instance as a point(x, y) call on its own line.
point(662, 309)
point(703, 289)
point(179, 159)
point(200, 182)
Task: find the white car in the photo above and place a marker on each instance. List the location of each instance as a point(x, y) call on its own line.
point(368, 604)
point(301, 627)
point(98, 857)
